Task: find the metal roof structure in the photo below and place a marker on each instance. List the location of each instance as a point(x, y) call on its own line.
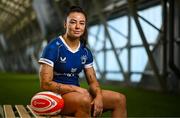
point(15, 14)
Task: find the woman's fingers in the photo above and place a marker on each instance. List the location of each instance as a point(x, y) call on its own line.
point(97, 110)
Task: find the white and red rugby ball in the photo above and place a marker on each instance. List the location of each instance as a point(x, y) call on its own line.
point(47, 103)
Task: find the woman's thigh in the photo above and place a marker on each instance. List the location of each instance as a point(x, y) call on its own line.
point(72, 101)
point(111, 98)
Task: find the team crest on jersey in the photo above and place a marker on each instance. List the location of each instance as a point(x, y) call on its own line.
point(73, 70)
point(63, 59)
point(57, 43)
point(83, 59)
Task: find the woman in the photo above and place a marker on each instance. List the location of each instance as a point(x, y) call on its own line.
point(61, 62)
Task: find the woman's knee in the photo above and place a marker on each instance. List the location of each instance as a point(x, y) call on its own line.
point(121, 99)
point(84, 102)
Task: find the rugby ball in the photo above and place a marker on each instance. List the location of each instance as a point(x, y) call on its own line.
point(47, 103)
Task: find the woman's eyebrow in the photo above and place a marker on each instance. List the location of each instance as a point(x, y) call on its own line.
point(72, 19)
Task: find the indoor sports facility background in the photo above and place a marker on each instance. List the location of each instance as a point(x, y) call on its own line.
point(135, 44)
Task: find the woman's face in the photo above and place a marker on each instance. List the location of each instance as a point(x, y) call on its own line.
point(75, 24)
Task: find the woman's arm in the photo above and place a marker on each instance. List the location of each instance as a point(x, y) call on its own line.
point(47, 83)
point(95, 90)
point(92, 81)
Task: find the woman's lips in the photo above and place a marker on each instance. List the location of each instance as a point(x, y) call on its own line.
point(77, 32)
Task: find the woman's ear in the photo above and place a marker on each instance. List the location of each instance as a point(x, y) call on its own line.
point(65, 25)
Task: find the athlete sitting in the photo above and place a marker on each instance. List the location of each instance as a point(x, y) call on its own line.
point(61, 62)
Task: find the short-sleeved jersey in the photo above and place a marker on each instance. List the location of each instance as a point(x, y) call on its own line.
point(67, 64)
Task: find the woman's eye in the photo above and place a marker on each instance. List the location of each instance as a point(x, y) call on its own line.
point(82, 23)
point(72, 22)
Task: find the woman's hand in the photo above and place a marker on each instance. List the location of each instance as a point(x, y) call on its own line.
point(97, 104)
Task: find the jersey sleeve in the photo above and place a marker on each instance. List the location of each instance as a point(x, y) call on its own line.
point(89, 61)
point(49, 55)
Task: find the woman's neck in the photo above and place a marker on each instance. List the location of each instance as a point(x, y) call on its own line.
point(73, 43)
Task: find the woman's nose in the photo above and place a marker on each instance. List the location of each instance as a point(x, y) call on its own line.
point(77, 25)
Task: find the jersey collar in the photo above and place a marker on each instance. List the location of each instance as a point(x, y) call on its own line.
point(73, 51)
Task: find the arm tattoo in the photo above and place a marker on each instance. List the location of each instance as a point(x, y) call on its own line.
point(48, 84)
point(92, 76)
point(58, 88)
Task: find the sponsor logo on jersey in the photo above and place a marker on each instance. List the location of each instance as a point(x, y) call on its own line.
point(83, 59)
point(63, 59)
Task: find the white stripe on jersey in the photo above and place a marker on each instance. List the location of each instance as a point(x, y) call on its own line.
point(46, 61)
point(88, 65)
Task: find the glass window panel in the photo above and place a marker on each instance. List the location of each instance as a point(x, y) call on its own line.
point(108, 44)
point(117, 39)
point(136, 77)
point(98, 45)
point(124, 59)
point(111, 62)
point(101, 33)
point(96, 41)
point(139, 59)
point(114, 76)
point(153, 15)
point(91, 40)
point(100, 60)
point(93, 29)
point(120, 24)
point(149, 32)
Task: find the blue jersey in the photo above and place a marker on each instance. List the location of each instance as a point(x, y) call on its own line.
point(66, 63)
